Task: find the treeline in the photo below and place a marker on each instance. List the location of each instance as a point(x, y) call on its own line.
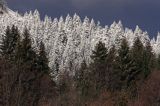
point(23, 72)
point(116, 70)
point(120, 73)
point(116, 75)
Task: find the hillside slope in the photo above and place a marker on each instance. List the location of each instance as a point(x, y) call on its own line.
point(70, 40)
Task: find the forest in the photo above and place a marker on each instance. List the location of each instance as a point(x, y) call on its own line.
point(128, 76)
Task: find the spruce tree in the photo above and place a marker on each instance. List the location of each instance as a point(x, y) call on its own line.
point(84, 82)
point(9, 43)
point(14, 41)
point(42, 59)
point(27, 51)
point(149, 59)
point(100, 53)
point(5, 43)
point(137, 53)
point(124, 62)
point(113, 75)
point(28, 54)
point(99, 57)
point(18, 51)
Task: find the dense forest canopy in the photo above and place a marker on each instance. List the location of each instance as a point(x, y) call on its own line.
point(70, 62)
point(123, 76)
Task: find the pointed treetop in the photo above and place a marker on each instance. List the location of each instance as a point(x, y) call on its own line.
point(105, 30)
point(55, 20)
point(76, 20)
point(30, 14)
point(50, 19)
point(119, 27)
point(68, 16)
point(86, 22)
point(68, 19)
point(46, 18)
point(92, 23)
point(36, 12)
point(100, 52)
point(26, 14)
point(98, 23)
point(120, 23)
point(61, 19)
point(158, 37)
point(75, 16)
point(153, 41)
point(137, 29)
point(113, 25)
point(86, 19)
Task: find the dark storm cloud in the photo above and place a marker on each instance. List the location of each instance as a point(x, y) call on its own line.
point(145, 13)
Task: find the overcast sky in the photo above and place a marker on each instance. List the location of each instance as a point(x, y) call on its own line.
point(145, 13)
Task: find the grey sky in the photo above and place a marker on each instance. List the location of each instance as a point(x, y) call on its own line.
point(145, 13)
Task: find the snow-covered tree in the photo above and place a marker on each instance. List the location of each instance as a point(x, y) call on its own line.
point(71, 39)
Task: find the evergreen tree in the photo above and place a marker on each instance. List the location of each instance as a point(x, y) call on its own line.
point(14, 41)
point(99, 57)
point(42, 58)
point(149, 59)
point(112, 74)
point(5, 43)
point(9, 43)
point(28, 54)
point(124, 62)
point(137, 52)
point(18, 51)
point(100, 53)
point(83, 83)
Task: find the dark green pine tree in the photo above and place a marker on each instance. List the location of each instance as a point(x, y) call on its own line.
point(42, 59)
point(9, 43)
point(100, 53)
point(84, 84)
point(113, 75)
point(99, 57)
point(124, 62)
point(19, 51)
point(28, 54)
point(14, 41)
point(82, 80)
point(149, 59)
point(137, 53)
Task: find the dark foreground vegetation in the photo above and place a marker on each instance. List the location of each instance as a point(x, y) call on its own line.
point(124, 77)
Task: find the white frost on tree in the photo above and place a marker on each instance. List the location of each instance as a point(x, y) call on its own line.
point(70, 40)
